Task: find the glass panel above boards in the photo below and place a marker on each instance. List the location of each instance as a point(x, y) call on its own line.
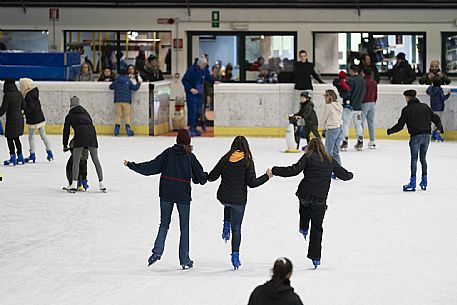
point(24, 40)
point(449, 57)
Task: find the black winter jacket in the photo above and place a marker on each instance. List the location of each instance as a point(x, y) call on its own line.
point(177, 170)
point(308, 113)
point(33, 113)
point(317, 175)
point(269, 294)
point(402, 73)
point(236, 177)
point(13, 104)
point(418, 117)
point(302, 76)
point(81, 122)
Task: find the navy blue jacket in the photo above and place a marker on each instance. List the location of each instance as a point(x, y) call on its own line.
point(195, 78)
point(177, 170)
point(122, 87)
point(437, 97)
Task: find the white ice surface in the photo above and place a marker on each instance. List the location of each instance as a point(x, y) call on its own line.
point(380, 246)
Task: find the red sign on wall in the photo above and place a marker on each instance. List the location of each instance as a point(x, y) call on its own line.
point(54, 14)
point(177, 43)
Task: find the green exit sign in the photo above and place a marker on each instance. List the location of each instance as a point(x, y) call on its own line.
point(215, 19)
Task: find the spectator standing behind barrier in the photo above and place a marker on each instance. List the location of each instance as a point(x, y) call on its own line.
point(133, 75)
point(366, 62)
point(13, 104)
point(352, 110)
point(34, 117)
point(303, 71)
point(85, 136)
point(267, 77)
point(123, 87)
point(434, 73)
point(193, 82)
point(369, 104)
point(257, 64)
point(152, 72)
point(418, 118)
point(402, 73)
point(276, 291)
point(85, 74)
point(107, 75)
point(140, 61)
point(437, 99)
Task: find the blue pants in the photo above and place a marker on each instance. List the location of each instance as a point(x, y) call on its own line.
point(194, 108)
point(368, 113)
point(234, 213)
point(333, 138)
point(166, 208)
point(419, 145)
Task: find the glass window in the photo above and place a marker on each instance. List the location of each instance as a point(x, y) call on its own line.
point(24, 40)
point(336, 51)
point(450, 53)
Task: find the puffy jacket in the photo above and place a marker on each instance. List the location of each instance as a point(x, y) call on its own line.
point(271, 294)
point(437, 97)
point(177, 170)
point(317, 175)
point(236, 177)
point(33, 113)
point(85, 135)
point(402, 73)
point(13, 104)
point(418, 117)
point(195, 78)
point(308, 114)
point(123, 87)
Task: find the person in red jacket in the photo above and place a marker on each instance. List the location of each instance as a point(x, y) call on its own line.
point(369, 104)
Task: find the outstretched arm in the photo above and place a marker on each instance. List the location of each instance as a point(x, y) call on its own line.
point(341, 172)
point(148, 168)
point(251, 179)
point(289, 171)
point(399, 126)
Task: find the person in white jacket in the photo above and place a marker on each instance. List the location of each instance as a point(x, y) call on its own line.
point(333, 122)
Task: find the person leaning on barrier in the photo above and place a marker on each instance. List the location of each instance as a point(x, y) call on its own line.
point(434, 73)
point(402, 73)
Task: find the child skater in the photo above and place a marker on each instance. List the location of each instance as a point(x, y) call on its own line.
point(308, 113)
point(333, 112)
point(418, 118)
point(82, 179)
point(34, 118)
point(177, 166)
point(237, 172)
point(437, 99)
point(317, 166)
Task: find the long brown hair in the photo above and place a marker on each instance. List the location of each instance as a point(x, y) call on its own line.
point(316, 146)
point(240, 143)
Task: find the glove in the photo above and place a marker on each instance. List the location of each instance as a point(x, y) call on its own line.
point(442, 131)
point(389, 132)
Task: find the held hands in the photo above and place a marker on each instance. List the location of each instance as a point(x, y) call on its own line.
point(269, 173)
point(193, 91)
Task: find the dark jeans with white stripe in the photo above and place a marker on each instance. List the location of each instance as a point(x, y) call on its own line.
point(313, 209)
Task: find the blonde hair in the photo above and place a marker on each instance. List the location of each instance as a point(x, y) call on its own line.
point(330, 93)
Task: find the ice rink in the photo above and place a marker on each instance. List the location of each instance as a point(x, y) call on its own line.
point(380, 246)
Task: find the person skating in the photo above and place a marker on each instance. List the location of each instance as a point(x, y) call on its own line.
point(332, 125)
point(82, 178)
point(13, 104)
point(34, 118)
point(237, 172)
point(418, 118)
point(308, 113)
point(317, 167)
point(178, 167)
point(85, 136)
point(437, 99)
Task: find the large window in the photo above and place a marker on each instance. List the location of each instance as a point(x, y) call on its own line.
point(449, 57)
point(336, 51)
point(103, 49)
point(24, 40)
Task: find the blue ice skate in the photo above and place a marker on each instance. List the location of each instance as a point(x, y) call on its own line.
point(189, 265)
point(433, 137)
point(438, 137)
point(84, 184)
point(423, 183)
point(153, 258)
point(50, 156)
point(20, 159)
point(236, 260)
point(129, 131)
point(116, 129)
point(31, 158)
point(12, 161)
point(316, 263)
point(226, 231)
point(411, 186)
point(304, 232)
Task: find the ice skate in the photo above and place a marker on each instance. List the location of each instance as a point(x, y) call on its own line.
point(304, 232)
point(226, 231)
point(189, 265)
point(359, 145)
point(12, 161)
point(344, 146)
point(72, 188)
point(411, 186)
point(372, 145)
point(116, 129)
point(31, 158)
point(129, 131)
point(438, 137)
point(433, 137)
point(236, 260)
point(316, 263)
point(424, 183)
point(102, 186)
point(153, 258)
point(50, 156)
point(84, 184)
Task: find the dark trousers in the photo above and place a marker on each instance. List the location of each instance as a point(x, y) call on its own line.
point(166, 208)
point(418, 145)
point(194, 109)
point(14, 141)
point(234, 213)
point(309, 129)
point(313, 209)
point(82, 170)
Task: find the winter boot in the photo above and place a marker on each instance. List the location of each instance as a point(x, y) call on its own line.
point(189, 265)
point(1, 129)
point(31, 158)
point(433, 138)
point(226, 231)
point(438, 137)
point(101, 186)
point(411, 186)
point(236, 260)
point(316, 263)
point(304, 232)
point(129, 132)
point(153, 258)
point(20, 159)
point(423, 183)
point(84, 184)
point(50, 155)
point(116, 129)
point(344, 145)
point(12, 161)
point(359, 145)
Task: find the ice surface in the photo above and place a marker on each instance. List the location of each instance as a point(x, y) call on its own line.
point(380, 246)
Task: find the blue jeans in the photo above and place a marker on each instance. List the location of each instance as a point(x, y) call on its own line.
point(234, 213)
point(368, 112)
point(166, 208)
point(419, 145)
point(333, 139)
point(356, 117)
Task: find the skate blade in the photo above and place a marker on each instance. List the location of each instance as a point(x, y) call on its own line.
point(292, 151)
point(73, 191)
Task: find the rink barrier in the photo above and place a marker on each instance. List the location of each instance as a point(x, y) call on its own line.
point(56, 129)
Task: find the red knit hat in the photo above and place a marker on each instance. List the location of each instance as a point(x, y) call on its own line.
point(183, 137)
point(342, 74)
